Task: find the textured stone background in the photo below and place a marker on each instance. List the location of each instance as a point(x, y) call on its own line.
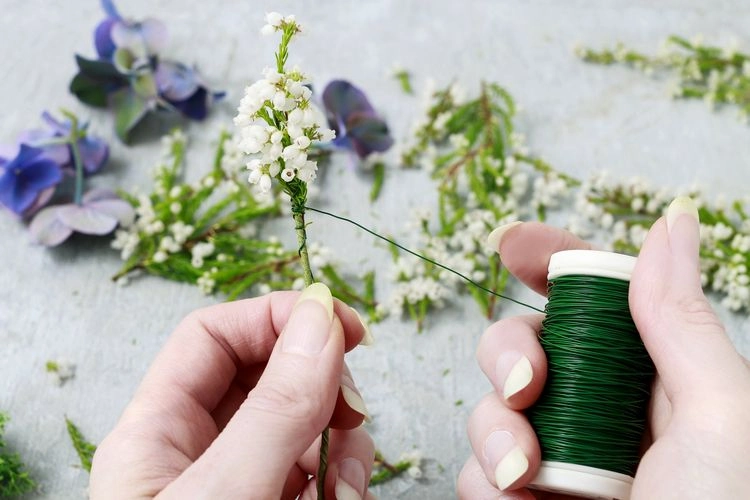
point(59, 304)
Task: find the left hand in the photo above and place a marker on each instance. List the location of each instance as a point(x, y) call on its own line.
point(234, 405)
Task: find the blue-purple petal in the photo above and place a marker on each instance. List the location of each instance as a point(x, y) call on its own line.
point(341, 99)
point(94, 153)
point(114, 207)
point(47, 229)
point(86, 219)
point(196, 107)
point(59, 153)
point(109, 8)
point(176, 81)
point(103, 42)
point(155, 35)
point(25, 177)
point(58, 128)
point(367, 134)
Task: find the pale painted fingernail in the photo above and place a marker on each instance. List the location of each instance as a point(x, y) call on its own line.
point(367, 339)
point(506, 457)
point(496, 236)
point(353, 397)
point(514, 369)
point(309, 325)
point(351, 480)
point(682, 205)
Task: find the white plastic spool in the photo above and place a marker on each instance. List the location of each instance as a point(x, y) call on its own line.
point(573, 479)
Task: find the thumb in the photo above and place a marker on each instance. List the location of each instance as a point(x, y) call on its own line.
point(284, 414)
point(680, 330)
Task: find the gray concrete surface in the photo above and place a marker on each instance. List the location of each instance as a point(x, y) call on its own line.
point(60, 304)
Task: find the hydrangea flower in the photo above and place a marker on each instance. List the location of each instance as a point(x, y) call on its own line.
point(94, 151)
point(27, 179)
point(130, 77)
point(352, 117)
point(99, 212)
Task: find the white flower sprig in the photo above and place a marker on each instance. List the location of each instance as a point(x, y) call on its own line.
point(278, 126)
point(278, 123)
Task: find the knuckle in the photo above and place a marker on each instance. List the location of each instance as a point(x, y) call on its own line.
point(283, 398)
point(697, 312)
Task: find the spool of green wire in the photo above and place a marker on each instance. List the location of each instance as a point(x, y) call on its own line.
point(591, 415)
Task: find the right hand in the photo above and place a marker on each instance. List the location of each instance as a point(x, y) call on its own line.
point(699, 416)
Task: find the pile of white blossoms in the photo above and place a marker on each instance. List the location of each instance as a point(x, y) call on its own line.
point(277, 121)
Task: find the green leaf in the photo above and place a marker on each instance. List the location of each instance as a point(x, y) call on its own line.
point(100, 70)
point(84, 449)
point(130, 109)
point(378, 172)
point(88, 90)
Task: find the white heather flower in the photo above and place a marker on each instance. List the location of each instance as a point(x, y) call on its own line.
point(287, 175)
point(160, 256)
point(274, 19)
point(264, 288)
point(206, 283)
point(175, 207)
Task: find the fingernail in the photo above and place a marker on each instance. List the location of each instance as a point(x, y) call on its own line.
point(367, 339)
point(309, 325)
point(496, 236)
point(682, 205)
point(515, 370)
point(351, 480)
point(353, 397)
point(506, 457)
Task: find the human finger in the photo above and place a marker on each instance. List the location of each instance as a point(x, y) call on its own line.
point(525, 249)
point(686, 340)
point(511, 357)
point(504, 443)
point(473, 485)
point(285, 412)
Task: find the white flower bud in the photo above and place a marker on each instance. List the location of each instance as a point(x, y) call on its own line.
point(302, 142)
point(274, 169)
point(265, 183)
point(275, 19)
point(296, 116)
point(326, 135)
point(267, 30)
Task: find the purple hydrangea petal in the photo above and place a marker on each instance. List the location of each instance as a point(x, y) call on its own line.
point(7, 153)
point(196, 107)
point(341, 99)
point(98, 194)
point(368, 134)
point(24, 177)
point(155, 35)
point(47, 229)
point(59, 153)
point(94, 153)
point(117, 208)
point(110, 9)
point(144, 38)
point(176, 81)
point(85, 219)
point(41, 201)
point(103, 42)
point(58, 127)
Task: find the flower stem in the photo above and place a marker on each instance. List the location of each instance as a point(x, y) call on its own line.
point(72, 141)
point(299, 219)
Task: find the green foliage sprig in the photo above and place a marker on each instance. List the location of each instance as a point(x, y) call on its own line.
point(14, 479)
point(483, 171)
point(623, 211)
point(208, 233)
point(84, 449)
point(715, 74)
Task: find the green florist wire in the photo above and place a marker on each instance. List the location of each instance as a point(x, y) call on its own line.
point(715, 74)
point(278, 124)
